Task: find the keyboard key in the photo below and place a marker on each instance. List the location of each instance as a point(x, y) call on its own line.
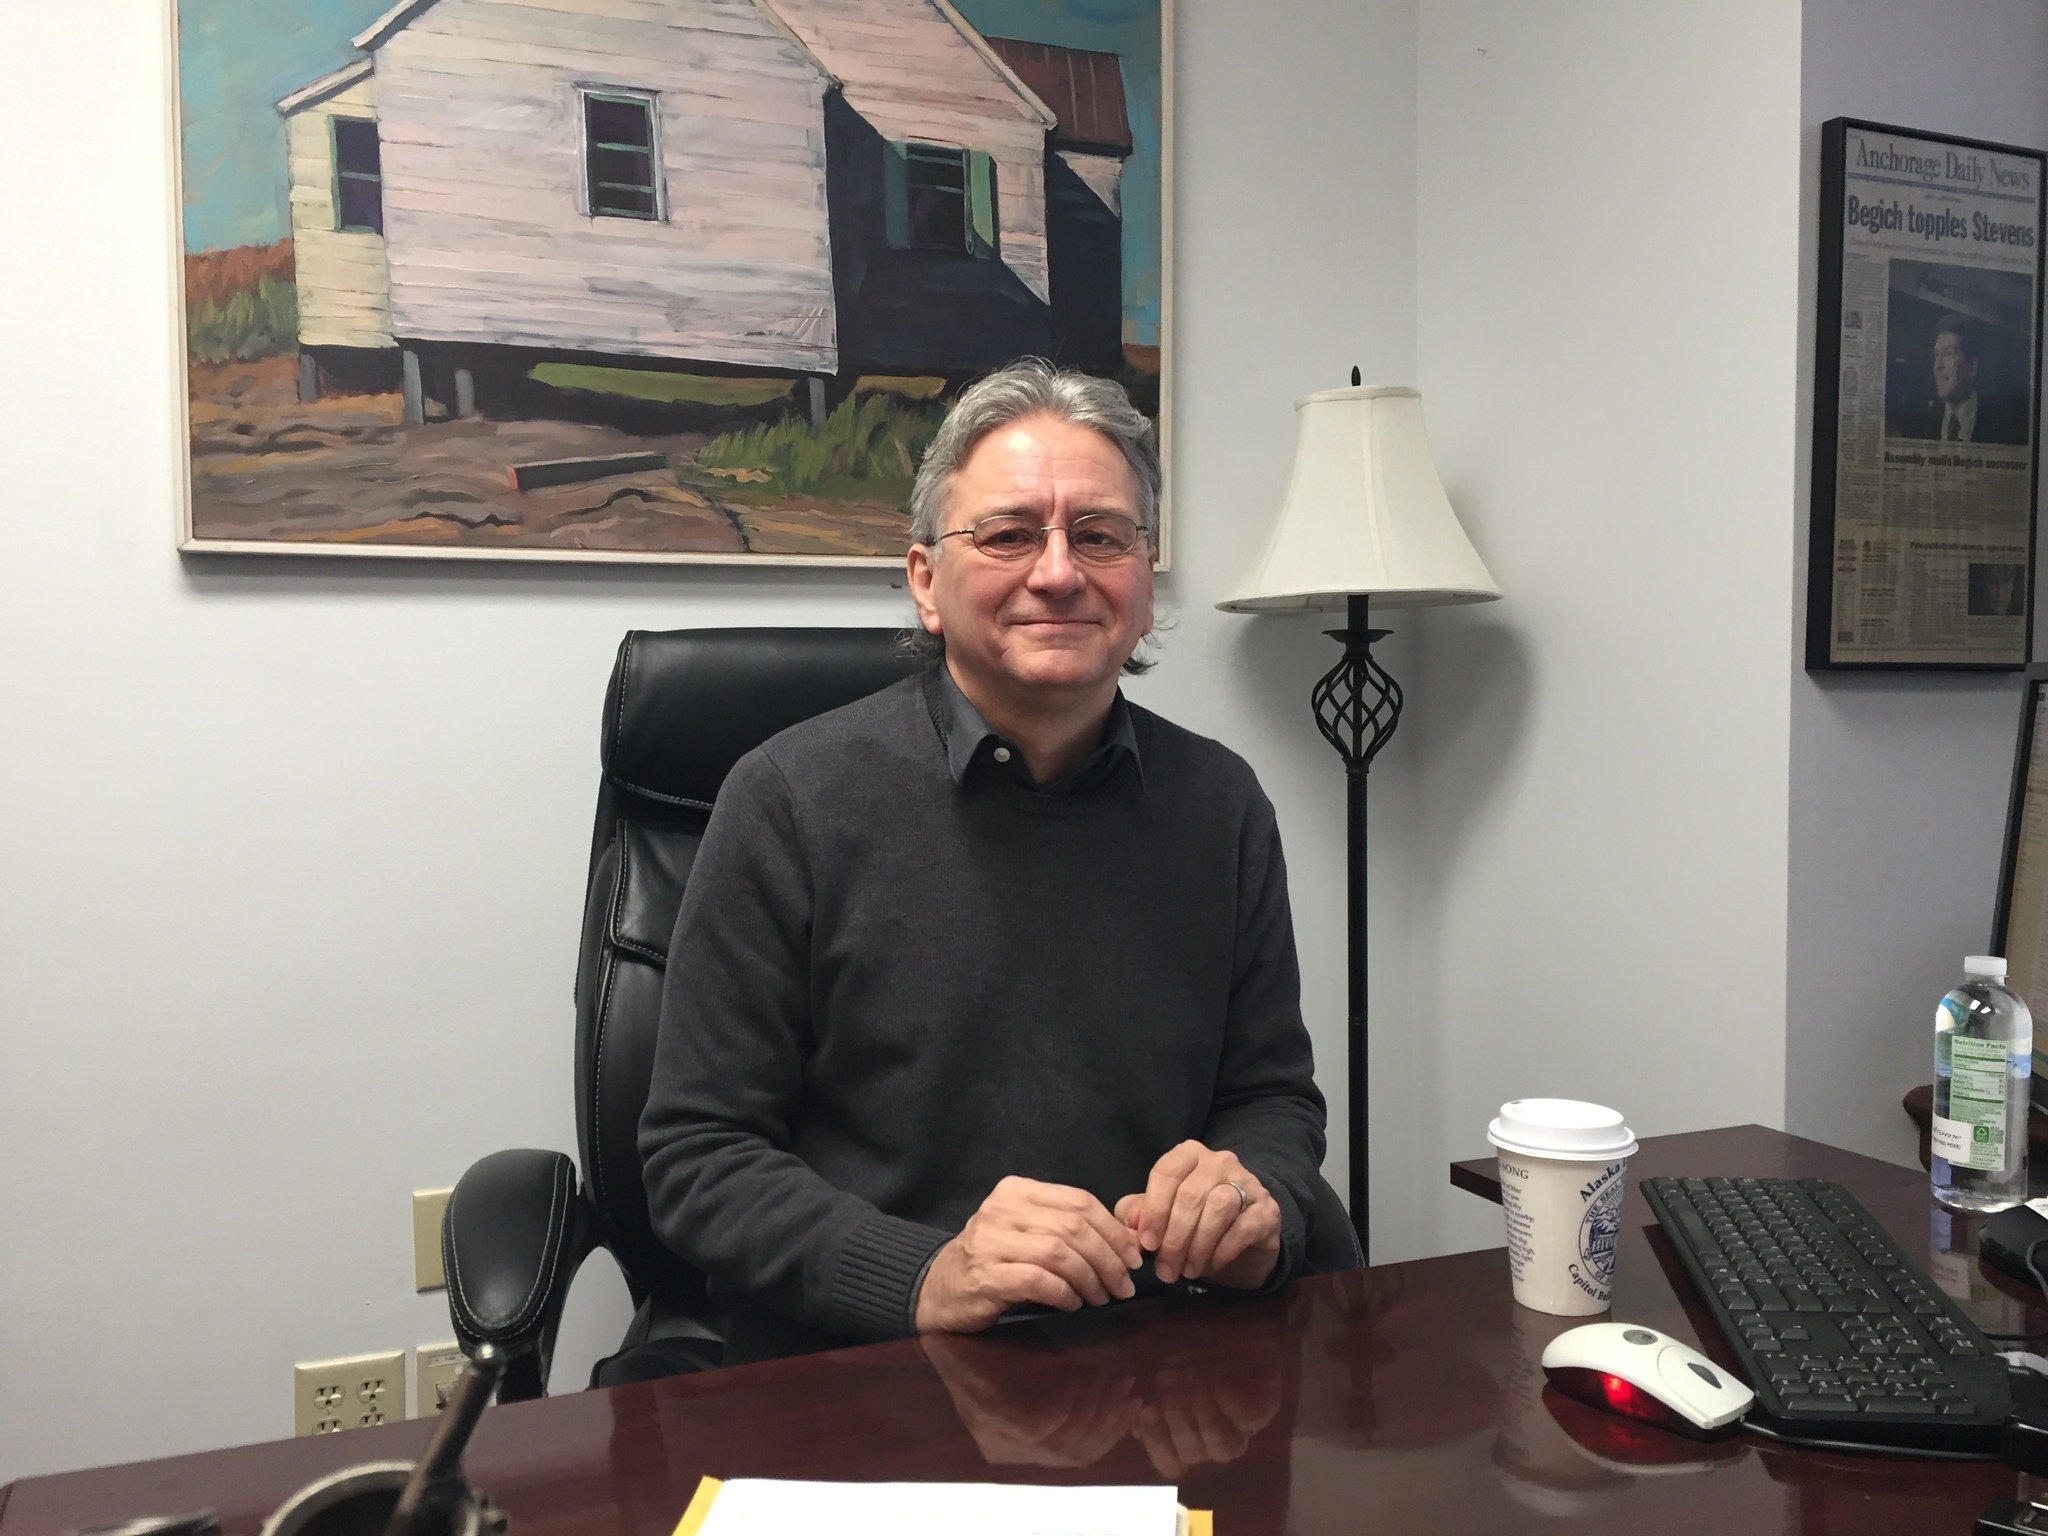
point(1838, 1402)
point(1899, 1409)
point(1957, 1410)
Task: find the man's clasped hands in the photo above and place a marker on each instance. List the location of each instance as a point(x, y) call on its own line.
point(1202, 1216)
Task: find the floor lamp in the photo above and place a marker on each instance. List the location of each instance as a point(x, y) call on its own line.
point(1365, 518)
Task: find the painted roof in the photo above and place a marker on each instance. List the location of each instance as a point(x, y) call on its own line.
point(845, 31)
point(402, 15)
point(405, 12)
point(314, 92)
point(1084, 89)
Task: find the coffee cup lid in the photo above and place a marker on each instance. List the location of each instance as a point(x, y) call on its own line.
point(1566, 1129)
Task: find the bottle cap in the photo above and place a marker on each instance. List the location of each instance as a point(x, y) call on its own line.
point(1992, 966)
point(1567, 1129)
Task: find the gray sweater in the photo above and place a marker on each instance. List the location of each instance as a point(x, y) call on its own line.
point(887, 990)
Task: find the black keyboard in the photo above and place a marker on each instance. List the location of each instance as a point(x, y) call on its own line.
point(1842, 1337)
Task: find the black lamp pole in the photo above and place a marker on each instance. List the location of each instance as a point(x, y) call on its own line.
point(1357, 706)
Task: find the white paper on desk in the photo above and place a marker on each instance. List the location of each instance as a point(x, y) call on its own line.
point(770, 1507)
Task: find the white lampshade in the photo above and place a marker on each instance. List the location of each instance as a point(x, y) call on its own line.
point(1365, 515)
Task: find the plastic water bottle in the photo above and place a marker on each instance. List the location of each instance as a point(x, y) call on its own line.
point(1983, 1066)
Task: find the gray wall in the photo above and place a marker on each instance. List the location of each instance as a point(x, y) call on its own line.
point(1898, 784)
point(1607, 297)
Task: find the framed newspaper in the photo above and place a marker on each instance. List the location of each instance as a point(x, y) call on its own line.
point(1927, 408)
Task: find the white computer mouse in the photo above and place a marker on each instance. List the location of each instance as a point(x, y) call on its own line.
point(1644, 1374)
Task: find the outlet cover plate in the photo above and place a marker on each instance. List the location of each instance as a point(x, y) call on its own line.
point(353, 1393)
point(434, 1369)
point(427, 1208)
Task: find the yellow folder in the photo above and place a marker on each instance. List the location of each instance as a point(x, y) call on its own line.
point(1193, 1522)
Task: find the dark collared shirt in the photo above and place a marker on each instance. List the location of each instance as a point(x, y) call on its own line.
point(973, 747)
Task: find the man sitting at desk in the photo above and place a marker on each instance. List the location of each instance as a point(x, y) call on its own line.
point(984, 987)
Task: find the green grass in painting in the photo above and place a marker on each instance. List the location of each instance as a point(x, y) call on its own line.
point(249, 323)
point(867, 450)
point(663, 388)
point(915, 387)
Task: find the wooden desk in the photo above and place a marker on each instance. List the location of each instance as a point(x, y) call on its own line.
point(1738, 1151)
point(1401, 1399)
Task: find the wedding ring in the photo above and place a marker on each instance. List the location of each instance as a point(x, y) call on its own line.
point(1243, 1200)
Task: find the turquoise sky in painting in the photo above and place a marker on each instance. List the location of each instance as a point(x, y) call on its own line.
point(236, 57)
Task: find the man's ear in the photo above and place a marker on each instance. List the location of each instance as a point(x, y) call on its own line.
point(919, 569)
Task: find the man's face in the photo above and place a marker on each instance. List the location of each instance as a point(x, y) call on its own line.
point(1047, 622)
point(1955, 371)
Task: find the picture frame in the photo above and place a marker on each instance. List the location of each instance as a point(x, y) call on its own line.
point(1927, 401)
point(479, 281)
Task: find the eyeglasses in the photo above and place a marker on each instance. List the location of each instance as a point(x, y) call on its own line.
point(1100, 538)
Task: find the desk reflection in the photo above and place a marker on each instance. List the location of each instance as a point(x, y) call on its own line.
point(1028, 1405)
point(1989, 1299)
point(1562, 1458)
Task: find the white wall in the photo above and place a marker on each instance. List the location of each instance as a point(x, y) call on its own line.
point(294, 849)
point(1899, 783)
point(1607, 260)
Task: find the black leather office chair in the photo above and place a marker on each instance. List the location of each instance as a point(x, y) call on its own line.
point(681, 709)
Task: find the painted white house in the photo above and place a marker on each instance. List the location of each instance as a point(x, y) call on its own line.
point(816, 187)
point(330, 131)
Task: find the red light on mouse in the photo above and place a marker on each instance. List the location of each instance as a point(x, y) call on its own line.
point(1623, 1397)
point(1600, 1389)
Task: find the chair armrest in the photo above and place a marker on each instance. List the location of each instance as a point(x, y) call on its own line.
point(1332, 1240)
point(515, 1233)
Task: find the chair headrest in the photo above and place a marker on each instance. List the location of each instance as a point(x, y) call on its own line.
point(684, 705)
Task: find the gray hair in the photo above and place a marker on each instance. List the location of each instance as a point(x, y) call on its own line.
point(1030, 387)
point(1033, 387)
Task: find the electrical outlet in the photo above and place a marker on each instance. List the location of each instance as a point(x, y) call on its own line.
point(332, 1395)
point(427, 1207)
point(434, 1369)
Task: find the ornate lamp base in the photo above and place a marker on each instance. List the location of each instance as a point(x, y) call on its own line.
point(1357, 706)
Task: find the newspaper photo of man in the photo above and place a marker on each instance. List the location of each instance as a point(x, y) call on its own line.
point(1957, 377)
point(1998, 591)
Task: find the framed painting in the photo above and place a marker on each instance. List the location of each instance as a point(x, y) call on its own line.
point(1927, 401)
point(686, 280)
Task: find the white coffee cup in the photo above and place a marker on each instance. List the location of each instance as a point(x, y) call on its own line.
point(1563, 1175)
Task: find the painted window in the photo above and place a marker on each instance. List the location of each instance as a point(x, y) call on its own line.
point(940, 198)
point(618, 134)
point(358, 176)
